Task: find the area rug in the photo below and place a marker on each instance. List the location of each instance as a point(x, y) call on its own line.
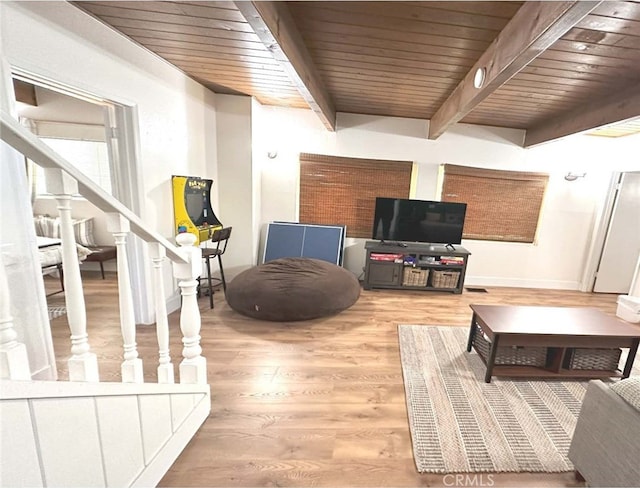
point(55, 312)
point(460, 424)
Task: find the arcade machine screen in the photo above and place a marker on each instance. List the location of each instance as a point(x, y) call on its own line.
point(192, 207)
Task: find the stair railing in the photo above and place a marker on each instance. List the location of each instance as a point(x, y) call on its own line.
point(64, 180)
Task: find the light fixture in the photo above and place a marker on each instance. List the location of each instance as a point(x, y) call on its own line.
point(574, 176)
point(478, 78)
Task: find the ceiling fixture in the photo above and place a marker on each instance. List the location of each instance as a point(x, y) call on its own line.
point(478, 79)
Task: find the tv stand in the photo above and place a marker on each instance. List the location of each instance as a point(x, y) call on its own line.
point(415, 266)
point(393, 243)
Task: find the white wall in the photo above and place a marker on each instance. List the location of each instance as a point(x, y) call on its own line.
point(57, 41)
point(179, 132)
point(558, 256)
point(66, 45)
point(236, 181)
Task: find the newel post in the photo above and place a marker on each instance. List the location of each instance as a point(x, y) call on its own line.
point(193, 368)
point(131, 368)
point(14, 362)
point(83, 364)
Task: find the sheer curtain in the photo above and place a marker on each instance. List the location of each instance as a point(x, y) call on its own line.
point(28, 305)
point(31, 167)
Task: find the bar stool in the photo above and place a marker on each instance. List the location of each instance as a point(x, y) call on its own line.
point(221, 238)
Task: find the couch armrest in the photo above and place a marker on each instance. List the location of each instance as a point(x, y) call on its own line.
point(606, 441)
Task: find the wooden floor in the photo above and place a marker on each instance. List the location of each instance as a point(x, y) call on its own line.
point(316, 403)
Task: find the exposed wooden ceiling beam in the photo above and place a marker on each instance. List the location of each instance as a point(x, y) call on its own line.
point(535, 27)
point(618, 108)
point(25, 92)
point(274, 25)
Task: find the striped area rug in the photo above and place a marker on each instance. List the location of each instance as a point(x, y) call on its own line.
point(460, 424)
point(55, 312)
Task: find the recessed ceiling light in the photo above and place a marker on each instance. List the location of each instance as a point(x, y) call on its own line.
point(478, 79)
point(581, 47)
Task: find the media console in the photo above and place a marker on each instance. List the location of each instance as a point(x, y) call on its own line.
point(415, 266)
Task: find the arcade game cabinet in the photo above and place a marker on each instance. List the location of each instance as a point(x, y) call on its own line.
point(192, 207)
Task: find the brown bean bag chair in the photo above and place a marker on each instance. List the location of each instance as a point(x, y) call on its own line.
point(289, 289)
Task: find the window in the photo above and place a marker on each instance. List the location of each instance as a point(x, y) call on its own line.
point(501, 205)
point(83, 145)
point(337, 190)
point(90, 157)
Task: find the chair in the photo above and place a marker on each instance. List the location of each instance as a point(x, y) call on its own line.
point(221, 238)
point(100, 254)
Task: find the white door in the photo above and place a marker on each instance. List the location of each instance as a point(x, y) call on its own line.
point(622, 244)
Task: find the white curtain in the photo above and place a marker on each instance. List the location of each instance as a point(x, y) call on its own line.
point(32, 174)
point(28, 303)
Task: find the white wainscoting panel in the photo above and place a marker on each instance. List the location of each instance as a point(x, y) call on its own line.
point(69, 442)
point(158, 467)
point(18, 453)
point(120, 433)
point(67, 434)
point(155, 412)
point(181, 406)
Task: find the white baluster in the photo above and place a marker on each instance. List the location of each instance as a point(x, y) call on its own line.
point(165, 368)
point(83, 364)
point(193, 368)
point(132, 365)
point(14, 362)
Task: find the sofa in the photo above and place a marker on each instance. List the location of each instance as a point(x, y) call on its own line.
point(605, 448)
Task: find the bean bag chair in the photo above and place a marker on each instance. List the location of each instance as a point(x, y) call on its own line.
point(290, 289)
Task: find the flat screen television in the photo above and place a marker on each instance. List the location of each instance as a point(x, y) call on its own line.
point(399, 219)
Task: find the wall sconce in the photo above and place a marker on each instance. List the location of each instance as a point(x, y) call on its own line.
point(574, 176)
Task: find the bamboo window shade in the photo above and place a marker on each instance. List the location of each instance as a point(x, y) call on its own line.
point(342, 191)
point(501, 205)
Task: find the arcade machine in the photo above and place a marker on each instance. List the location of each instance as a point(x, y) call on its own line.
point(192, 207)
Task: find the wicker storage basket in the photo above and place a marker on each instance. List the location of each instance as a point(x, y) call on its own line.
point(445, 279)
point(596, 359)
point(511, 355)
point(415, 276)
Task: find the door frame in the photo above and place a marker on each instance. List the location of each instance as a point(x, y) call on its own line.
point(601, 228)
point(122, 136)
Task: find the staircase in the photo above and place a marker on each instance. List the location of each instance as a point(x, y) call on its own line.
point(87, 432)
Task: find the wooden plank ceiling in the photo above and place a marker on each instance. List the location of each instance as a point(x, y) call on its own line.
point(407, 59)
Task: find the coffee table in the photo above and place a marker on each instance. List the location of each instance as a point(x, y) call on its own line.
point(559, 329)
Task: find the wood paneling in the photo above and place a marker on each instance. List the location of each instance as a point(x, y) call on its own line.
point(211, 41)
point(275, 27)
point(590, 62)
point(390, 58)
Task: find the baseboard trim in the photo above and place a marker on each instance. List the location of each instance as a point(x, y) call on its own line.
point(521, 283)
point(173, 303)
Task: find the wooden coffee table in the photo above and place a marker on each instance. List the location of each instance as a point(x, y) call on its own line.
point(559, 329)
